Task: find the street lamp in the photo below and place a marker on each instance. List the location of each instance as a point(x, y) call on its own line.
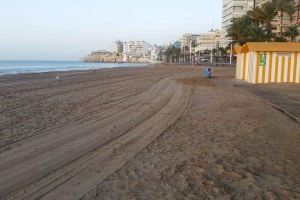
point(231, 49)
point(191, 50)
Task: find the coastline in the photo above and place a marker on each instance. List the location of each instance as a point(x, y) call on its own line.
point(55, 73)
point(22, 67)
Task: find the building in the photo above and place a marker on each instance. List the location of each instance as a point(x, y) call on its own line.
point(104, 57)
point(273, 62)
point(286, 19)
point(208, 41)
point(233, 9)
point(136, 48)
point(258, 3)
point(298, 13)
point(156, 53)
point(117, 47)
point(187, 45)
point(187, 39)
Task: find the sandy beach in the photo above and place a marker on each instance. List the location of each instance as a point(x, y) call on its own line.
point(157, 132)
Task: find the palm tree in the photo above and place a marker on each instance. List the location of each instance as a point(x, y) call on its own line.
point(290, 11)
point(172, 53)
point(292, 32)
point(282, 7)
point(176, 52)
point(244, 30)
point(265, 15)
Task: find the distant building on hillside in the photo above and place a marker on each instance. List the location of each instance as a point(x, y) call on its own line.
point(136, 48)
point(233, 9)
point(117, 47)
point(209, 40)
point(103, 56)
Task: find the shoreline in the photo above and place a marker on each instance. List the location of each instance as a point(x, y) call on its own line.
point(55, 73)
point(68, 71)
point(31, 66)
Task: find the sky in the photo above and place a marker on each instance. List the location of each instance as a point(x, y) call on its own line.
point(70, 29)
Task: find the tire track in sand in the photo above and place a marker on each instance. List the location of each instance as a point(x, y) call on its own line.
point(83, 155)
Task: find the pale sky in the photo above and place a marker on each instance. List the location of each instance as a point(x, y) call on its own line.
point(70, 29)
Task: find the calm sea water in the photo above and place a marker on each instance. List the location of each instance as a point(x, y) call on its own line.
point(16, 67)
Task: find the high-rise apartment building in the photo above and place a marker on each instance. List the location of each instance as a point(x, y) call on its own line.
point(233, 9)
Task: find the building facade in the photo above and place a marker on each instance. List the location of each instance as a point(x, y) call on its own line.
point(208, 41)
point(136, 48)
point(156, 53)
point(258, 3)
point(233, 9)
point(298, 13)
point(286, 22)
point(187, 39)
point(117, 47)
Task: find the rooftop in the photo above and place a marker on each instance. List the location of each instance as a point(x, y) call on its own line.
point(268, 46)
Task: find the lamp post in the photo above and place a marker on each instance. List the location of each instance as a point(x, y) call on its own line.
point(231, 48)
point(184, 54)
point(191, 50)
point(211, 56)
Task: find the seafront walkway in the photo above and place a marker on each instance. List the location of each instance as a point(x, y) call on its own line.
point(284, 97)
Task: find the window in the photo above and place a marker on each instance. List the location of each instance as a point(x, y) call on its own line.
point(237, 7)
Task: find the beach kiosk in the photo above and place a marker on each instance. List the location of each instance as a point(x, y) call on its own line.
point(268, 62)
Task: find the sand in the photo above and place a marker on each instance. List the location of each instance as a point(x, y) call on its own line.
point(158, 132)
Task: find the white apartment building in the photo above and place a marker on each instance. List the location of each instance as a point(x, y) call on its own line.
point(117, 47)
point(233, 9)
point(208, 41)
point(186, 39)
point(136, 48)
point(156, 53)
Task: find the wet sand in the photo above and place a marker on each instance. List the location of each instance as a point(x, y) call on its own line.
point(143, 133)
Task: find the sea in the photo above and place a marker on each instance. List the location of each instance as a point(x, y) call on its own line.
point(17, 67)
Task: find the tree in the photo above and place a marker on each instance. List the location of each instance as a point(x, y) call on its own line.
point(290, 11)
point(280, 39)
point(257, 25)
point(173, 53)
point(282, 6)
point(265, 15)
point(236, 30)
point(222, 51)
point(292, 32)
point(176, 52)
point(245, 29)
